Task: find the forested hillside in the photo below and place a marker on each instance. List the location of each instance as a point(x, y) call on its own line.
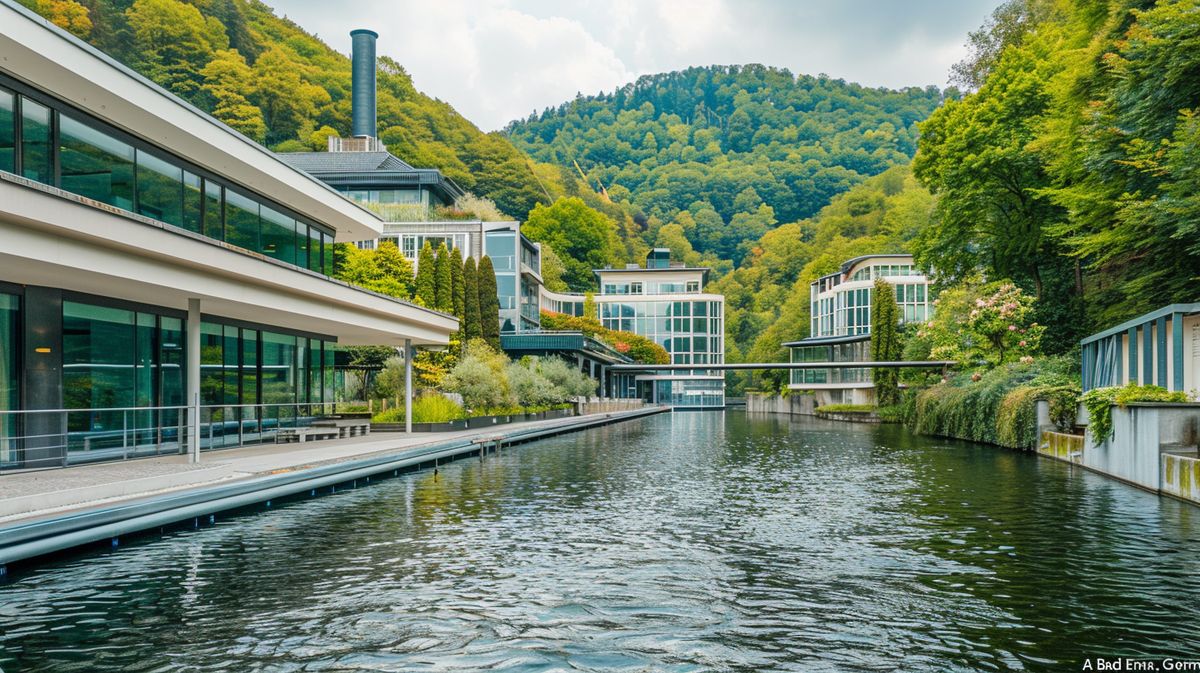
point(268, 78)
point(1072, 169)
point(741, 148)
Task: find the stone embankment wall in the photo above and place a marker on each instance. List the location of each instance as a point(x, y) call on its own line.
point(598, 405)
point(796, 405)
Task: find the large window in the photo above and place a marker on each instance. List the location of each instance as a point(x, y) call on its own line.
point(94, 164)
point(37, 161)
point(160, 189)
point(279, 236)
point(241, 220)
point(101, 163)
point(8, 131)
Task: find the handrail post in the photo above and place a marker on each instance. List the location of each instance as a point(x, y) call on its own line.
point(408, 358)
point(192, 376)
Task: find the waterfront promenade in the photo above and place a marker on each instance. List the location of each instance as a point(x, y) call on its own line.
point(93, 502)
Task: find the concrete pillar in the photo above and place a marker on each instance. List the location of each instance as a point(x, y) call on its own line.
point(409, 352)
point(192, 376)
point(603, 381)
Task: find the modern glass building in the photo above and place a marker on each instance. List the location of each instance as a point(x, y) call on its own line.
point(162, 279)
point(841, 324)
point(666, 302)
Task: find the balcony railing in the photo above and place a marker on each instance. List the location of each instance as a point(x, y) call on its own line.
point(32, 439)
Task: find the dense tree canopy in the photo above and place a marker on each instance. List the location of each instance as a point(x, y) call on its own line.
point(1072, 169)
point(728, 140)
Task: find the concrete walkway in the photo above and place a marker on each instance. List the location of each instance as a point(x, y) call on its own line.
point(32, 496)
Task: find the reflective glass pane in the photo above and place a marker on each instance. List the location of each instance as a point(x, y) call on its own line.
point(8, 131)
point(278, 369)
point(213, 227)
point(160, 189)
point(192, 200)
point(36, 161)
point(212, 362)
point(94, 164)
point(278, 235)
point(241, 221)
point(98, 366)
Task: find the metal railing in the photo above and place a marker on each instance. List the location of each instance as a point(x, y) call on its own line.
point(45, 438)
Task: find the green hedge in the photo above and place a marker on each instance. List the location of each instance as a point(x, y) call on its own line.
point(996, 407)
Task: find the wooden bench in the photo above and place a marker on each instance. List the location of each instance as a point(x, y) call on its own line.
point(304, 434)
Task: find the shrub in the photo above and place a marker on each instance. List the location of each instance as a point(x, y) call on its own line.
point(1099, 403)
point(529, 385)
point(891, 414)
point(981, 324)
point(998, 406)
point(481, 377)
point(636, 346)
point(567, 378)
point(427, 408)
point(846, 409)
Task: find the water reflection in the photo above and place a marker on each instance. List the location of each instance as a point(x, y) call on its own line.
point(685, 542)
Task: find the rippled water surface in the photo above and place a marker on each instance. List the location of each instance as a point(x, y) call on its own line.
point(686, 542)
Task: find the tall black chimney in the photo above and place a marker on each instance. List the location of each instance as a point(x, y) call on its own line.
point(362, 95)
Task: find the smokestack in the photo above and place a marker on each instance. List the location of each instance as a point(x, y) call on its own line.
point(362, 95)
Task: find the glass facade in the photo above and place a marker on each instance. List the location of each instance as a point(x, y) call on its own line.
point(103, 164)
point(115, 361)
point(501, 247)
point(690, 392)
point(842, 310)
point(10, 373)
point(693, 331)
point(853, 351)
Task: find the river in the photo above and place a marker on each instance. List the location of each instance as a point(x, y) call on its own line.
point(694, 541)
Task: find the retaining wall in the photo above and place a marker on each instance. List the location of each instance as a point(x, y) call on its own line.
point(1152, 446)
point(796, 405)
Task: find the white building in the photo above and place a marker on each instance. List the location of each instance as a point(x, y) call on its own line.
point(154, 259)
point(666, 303)
point(841, 324)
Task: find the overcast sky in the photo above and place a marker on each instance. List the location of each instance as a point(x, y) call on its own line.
point(497, 60)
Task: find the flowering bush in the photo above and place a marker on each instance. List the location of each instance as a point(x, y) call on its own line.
point(982, 324)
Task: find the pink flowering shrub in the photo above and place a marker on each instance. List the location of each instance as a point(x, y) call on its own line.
point(981, 324)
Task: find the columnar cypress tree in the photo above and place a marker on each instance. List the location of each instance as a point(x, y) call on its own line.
point(471, 327)
point(885, 342)
point(443, 290)
point(457, 293)
point(489, 303)
point(426, 270)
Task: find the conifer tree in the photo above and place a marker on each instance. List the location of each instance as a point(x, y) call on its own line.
point(443, 290)
point(395, 269)
point(489, 304)
point(471, 301)
point(457, 292)
point(426, 269)
point(885, 342)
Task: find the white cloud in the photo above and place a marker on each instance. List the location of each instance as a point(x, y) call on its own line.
point(497, 60)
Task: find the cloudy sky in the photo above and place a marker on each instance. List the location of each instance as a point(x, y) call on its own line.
point(496, 60)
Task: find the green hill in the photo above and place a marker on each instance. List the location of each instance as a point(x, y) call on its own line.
point(728, 140)
point(268, 78)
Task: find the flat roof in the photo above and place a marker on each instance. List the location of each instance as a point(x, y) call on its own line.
point(37, 52)
point(1186, 309)
point(823, 341)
